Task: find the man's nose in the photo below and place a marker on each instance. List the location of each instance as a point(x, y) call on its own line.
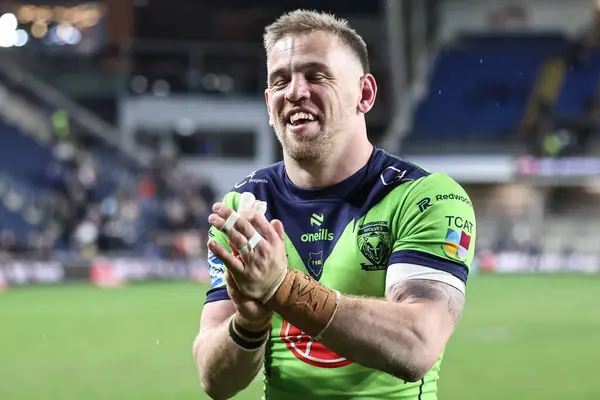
point(298, 89)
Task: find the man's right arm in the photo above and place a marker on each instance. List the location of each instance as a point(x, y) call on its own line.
point(224, 367)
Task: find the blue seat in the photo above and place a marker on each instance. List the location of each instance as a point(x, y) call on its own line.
point(579, 87)
point(477, 93)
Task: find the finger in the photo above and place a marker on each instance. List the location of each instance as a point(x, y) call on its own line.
point(247, 200)
point(278, 227)
point(244, 226)
point(235, 238)
point(230, 261)
point(238, 232)
point(261, 207)
point(260, 223)
point(228, 215)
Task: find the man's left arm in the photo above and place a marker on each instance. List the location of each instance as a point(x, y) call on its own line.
point(405, 333)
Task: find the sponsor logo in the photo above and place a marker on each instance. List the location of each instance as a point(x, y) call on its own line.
point(21, 272)
point(424, 204)
point(316, 219)
point(250, 179)
point(321, 235)
point(375, 245)
point(392, 175)
point(427, 202)
point(461, 223)
point(452, 196)
point(309, 351)
point(458, 241)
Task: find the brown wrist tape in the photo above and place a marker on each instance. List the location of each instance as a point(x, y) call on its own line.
point(304, 302)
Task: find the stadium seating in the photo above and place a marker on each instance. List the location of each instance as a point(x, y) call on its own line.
point(480, 85)
point(31, 172)
point(21, 212)
point(579, 87)
point(23, 157)
point(476, 93)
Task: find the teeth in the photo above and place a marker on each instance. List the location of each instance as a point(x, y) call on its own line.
point(301, 115)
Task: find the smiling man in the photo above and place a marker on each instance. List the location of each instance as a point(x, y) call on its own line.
point(342, 269)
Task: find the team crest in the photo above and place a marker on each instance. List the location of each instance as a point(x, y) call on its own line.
point(315, 264)
point(374, 244)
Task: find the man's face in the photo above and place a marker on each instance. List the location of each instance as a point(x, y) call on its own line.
point(314, 89)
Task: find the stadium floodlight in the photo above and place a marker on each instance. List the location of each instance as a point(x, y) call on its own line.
point(8, 22)
point(22, 38)
point(8, 30)
point(8, 38)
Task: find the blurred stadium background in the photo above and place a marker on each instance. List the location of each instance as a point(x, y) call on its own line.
point(121, 122)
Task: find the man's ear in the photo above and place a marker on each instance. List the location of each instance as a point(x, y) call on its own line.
point(268, 108)
point(368, 93)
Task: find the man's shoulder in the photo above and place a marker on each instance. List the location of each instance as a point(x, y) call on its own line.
point(398, 185)
point(396, 170)
point(388, 176)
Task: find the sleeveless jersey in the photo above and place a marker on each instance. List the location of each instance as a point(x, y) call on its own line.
point(345, 236)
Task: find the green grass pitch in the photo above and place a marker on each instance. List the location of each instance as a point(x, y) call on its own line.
point(521, 337)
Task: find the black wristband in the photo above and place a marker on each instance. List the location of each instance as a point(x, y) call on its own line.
point(240, 341)
point(249, 334)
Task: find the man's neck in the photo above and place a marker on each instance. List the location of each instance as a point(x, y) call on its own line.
point(334, 169)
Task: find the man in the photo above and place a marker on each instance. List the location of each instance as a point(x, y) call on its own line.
point(342, 269)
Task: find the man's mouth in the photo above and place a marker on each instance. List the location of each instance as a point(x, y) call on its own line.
point(301, 118)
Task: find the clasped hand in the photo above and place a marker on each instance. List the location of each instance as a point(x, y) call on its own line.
point(257, 261)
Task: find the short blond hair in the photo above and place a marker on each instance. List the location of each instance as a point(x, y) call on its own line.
point(305, 21)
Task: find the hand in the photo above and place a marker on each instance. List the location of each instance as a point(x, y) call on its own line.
point(259, 272)
point(251, 314)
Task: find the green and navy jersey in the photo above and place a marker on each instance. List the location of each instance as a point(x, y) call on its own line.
point(358, 236)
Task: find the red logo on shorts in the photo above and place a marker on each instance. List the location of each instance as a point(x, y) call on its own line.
point(307, 350)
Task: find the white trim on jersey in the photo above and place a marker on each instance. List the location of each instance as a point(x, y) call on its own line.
point(403, 271)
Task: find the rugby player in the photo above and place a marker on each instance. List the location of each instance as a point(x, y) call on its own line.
point(340, 271)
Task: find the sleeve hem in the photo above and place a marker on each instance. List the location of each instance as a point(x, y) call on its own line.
point(217, 294)
point(429, 260)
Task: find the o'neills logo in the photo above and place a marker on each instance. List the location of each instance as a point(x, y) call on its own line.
point(321, 235)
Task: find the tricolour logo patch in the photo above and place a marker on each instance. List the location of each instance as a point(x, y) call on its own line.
point(457, 244)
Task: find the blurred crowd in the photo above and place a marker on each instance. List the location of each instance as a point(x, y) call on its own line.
point(102, 207)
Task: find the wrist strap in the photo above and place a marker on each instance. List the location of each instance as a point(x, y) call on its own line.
point(337, 302)
point(247, 340)
point(305, 303)
point(252, 335)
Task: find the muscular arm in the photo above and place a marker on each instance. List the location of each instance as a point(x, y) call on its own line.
point(402, 335)
point(224, 368)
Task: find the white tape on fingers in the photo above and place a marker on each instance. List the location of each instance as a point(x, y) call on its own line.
point(245, 249)
point(230, 222)
point(261, 207)
point(254, 240)
point(246, 201)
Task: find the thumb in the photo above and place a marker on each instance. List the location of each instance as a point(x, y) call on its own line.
point(278, 226)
